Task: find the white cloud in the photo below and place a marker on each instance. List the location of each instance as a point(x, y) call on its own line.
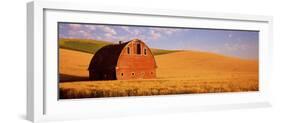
point(235, 47)
point(154, 35)
point(167, 31)
point(124, 38)
point(90, 27)
point(135, 31)
point(74, 26)
point(126, 28)
point(107, 29)
point(85, 34)
point(79, 33)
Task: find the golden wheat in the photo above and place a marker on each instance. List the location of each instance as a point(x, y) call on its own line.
point(177, 73)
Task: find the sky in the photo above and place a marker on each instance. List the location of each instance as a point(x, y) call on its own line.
point(237, 43)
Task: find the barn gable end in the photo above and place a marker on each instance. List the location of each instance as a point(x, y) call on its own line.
point(130, 60)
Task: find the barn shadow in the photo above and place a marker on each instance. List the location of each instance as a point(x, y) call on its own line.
point(72, 78)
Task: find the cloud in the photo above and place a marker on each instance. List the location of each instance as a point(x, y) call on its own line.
point(112, 33)
point(74, 26)
point(78, 34)
point(125, 28)
point(154, 35)
point(85, 34)
point(108, 29)
point(124, 38)
point(114, 38)
point(171, 31)
point(235, 47)
point(166, 31)
point(75, 31)
point(90, 27)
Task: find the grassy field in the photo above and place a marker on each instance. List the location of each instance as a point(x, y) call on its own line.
point(182, 72)
point(73, 65)
point(83, 45)
point(97, 89)
point(92, 46)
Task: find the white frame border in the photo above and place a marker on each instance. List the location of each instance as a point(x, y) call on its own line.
point(35, 47)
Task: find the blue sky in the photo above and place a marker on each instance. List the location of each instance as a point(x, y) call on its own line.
point(237, 43)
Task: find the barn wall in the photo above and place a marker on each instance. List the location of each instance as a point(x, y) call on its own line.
point(102, 75)
point(135, 66)
point(138, 74)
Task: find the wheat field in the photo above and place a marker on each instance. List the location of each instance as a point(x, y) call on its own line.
point(184, 72)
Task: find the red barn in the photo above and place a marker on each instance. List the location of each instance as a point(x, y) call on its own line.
point(123, 61)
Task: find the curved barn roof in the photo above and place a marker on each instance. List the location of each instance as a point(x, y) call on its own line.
point(107, 56)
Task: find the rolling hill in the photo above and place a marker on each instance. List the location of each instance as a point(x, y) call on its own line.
point(177, 73)
point(205, 66)
point(177, 65)
point(82, 45)
point(73, 65)
point(92, 46)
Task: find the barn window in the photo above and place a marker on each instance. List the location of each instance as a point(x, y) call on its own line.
point(138, 48)
point(128, 50)
point(144, 51)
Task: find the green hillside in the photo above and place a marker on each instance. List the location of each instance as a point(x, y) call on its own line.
point(92, 46)
point(83, 45)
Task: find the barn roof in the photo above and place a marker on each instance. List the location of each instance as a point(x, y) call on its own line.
point(107, 57)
